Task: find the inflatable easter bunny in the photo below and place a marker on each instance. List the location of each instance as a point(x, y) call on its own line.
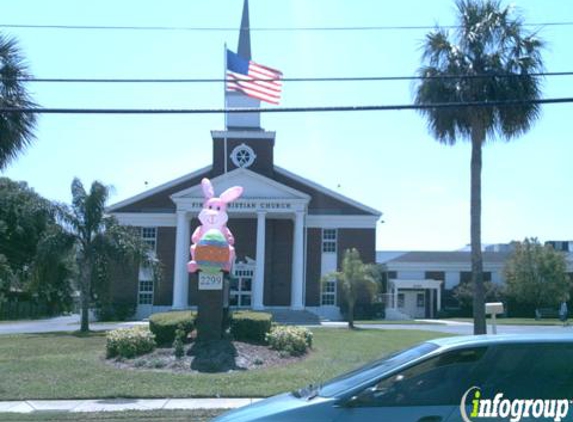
point(212, 248)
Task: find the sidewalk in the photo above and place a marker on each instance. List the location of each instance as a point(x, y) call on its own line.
point(112, 405)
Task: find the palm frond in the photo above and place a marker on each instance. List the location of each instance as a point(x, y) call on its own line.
point(489, 41)
point(16, 129)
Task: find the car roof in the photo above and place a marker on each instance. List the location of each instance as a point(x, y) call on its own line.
point(483, 340)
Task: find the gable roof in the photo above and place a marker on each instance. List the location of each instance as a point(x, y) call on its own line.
point(327, 191)
point(158, 189)
point(256, 186)
point(321, 201)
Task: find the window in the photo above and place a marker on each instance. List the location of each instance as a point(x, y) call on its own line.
point(145, 292)
point(466, 276)
point(328, 293)
point(243, 156)
point(351, 379)
point(541, 371)
point(329, 237)
point(145, 296)
point(149, 236)
point(437, 381)
point(420, 300)
point(401, 300)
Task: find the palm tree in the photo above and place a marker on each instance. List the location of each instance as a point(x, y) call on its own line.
point(16, 129)
point(353, 279)
point(487, 57)
point(99, 241)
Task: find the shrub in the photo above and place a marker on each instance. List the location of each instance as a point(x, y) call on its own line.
point(129, 342)
point(178, 349)
point(164, 325)
point(250, 326)
point(292, 340)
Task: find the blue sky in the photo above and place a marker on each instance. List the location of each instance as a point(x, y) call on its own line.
point(385, 159)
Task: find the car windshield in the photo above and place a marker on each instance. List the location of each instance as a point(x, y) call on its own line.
point(373, 369)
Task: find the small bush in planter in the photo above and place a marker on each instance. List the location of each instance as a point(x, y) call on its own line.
point(129, 342)
point(292, 340)
point(165, 324)
point(250, 326)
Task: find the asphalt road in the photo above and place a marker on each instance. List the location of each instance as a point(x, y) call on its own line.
point(63, 323)
point(464, 328)
point(72, 323)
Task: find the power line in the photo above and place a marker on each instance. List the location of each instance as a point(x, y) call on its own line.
point(42, 110)
point(259, 29)
point(302, 79)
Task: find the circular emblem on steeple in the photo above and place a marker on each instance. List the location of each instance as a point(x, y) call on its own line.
point(243, 156)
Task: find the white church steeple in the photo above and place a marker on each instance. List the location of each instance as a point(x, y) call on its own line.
point(243, 121)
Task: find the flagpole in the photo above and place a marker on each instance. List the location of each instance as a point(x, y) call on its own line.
point(225, 105)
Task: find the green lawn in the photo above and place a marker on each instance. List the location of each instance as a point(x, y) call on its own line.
point(514, 321)
point(64, 366)
point(125, 416)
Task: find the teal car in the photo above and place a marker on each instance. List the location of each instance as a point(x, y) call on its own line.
point(516, 378)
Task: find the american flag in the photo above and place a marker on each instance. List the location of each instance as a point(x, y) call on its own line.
point(253, 79)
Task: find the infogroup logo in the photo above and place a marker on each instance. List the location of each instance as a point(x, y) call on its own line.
point(515, 409)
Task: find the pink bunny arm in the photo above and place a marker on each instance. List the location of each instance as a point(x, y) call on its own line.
point(229, 236)
point(197, 234)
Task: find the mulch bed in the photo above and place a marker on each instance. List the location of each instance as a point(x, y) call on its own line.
point(219, 356)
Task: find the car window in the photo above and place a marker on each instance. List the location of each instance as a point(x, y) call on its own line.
point(374, 369)
point(542, 371)
point(437, 381)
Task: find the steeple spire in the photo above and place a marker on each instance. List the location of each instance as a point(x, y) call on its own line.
point(244, 48)
point(235, 99)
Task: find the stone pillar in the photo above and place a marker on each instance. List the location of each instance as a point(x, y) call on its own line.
point(181, 276)
point(259, 282)
point(297, 262)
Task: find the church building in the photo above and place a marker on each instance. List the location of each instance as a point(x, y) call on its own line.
point(289, 231)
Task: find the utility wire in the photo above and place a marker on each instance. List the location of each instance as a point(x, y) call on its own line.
point(259, 29)
point(304, 79)
point(42, 110)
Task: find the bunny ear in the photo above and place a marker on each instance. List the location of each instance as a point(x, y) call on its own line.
point(231, 194)
point(207, 188)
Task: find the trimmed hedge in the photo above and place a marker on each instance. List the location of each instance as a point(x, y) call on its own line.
point(164, 325)
point(293, 340)
point(129, 342)
point(250, 326)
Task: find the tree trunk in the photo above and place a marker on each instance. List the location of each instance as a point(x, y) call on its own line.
point(478, 137)
point(85, 282)
point(351, 316)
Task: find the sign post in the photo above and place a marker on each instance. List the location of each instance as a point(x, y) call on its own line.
point(212, 256)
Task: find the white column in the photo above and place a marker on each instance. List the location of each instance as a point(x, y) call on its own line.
point(395, 295)
point(439, 304)
point(259, 282)
point(297, 283)
point(181, 276)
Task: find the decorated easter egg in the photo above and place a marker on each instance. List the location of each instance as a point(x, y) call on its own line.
point(212, 251)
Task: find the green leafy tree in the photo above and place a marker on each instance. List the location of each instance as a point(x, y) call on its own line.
point(35, 255)
point(487, 57)
point(354, 280)
point(5, 278)
point(99, 241)
point(16, 129)
point(537, 274)
point(464, 293)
